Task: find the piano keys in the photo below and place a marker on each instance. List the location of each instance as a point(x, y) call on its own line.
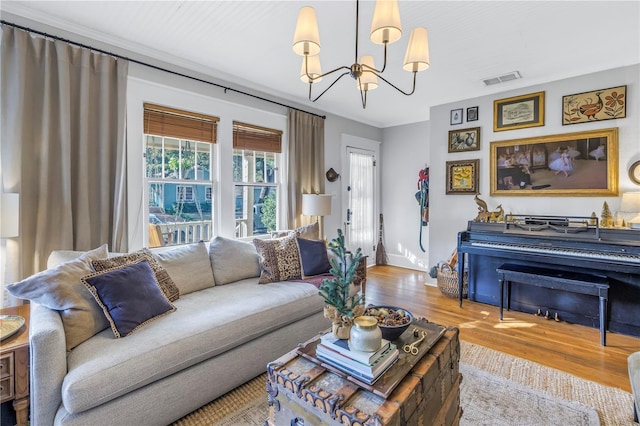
point(562, 243)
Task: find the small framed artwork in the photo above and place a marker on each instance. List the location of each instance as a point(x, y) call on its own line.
point(464, 140)
point(462, 176)
point(598, 105)
point(472, 114)
point(518, 112)
point(456, 116)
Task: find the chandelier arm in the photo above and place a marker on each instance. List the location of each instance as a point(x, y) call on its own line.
point(397, 88)
point(363, 98)
point(330, 86)
point(306, 70)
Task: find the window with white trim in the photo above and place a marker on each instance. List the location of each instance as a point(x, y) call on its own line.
point(256, 158)
point(179, 154)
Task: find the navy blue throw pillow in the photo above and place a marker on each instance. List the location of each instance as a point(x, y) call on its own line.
point(313, 257)
point(129, 296)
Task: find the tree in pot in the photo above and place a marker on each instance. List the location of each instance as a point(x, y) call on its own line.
point(341, 307)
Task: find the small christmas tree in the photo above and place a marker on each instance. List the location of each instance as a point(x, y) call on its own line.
point(341, 307)
point(606, 218)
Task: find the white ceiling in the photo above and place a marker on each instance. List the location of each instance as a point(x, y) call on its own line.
point(249, 43)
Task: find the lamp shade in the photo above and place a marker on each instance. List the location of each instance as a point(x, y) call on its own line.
point(314, 69)
point(631, 204)
point(316, 204)
point(10, 215)
point(386, 26)
point(368, 80)
point(417, 55)
point(306, 39)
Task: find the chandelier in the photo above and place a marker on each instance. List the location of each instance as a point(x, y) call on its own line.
point(385, 29)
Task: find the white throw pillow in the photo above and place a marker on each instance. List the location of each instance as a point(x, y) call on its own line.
point(233, 260)
point(188, 266)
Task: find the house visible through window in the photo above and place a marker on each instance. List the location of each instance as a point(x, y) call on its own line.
point(179, 158)
point(256, 157)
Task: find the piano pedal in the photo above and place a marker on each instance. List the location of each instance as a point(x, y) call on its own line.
point(539, 313)
point(557, 317)
point(547, 315)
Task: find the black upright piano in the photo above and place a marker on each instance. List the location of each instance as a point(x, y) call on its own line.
point(572, 244)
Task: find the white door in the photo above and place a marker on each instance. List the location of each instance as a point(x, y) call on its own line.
point(361, 200)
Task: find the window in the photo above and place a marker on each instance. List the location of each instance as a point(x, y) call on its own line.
point(256, 154)
point(179, 155)
point(185, 193)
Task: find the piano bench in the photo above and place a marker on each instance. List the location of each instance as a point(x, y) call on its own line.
point(574, 282)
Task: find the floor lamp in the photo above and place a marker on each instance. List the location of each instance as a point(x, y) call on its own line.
point(317, 205)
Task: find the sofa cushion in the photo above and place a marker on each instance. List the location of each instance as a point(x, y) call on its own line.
point(129, 295)
point(162, 276)
point(233, 260)
point(279, 259)
point(188, 265)
point(61, 289)
point(309, 232)
point(313, 257)
point(205, 324)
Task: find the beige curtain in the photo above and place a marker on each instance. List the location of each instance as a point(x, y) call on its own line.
point(306, 162)
point(63, 145)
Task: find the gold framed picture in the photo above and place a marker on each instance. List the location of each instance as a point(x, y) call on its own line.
point(518, 112)
point(572, 164)
point(464, 140)
point(598, 105)
point(462, 176)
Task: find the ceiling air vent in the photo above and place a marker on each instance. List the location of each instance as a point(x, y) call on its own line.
point(514, 75)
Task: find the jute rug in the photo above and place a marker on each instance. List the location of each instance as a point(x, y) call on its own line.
point(497, 389)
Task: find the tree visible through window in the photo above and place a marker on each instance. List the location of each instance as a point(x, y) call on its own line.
point(179, 175)
point(256, 155)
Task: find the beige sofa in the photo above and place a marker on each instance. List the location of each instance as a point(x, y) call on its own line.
point(221, 334)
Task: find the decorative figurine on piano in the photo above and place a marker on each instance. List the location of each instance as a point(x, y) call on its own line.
point(484, 215)
point(606, 218)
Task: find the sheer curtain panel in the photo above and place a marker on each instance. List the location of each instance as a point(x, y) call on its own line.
point(63, 145)
point(306, 162)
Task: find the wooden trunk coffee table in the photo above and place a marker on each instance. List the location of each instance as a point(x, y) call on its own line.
point(304, 392)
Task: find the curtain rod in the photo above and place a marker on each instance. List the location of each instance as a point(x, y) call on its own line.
point(115, 55)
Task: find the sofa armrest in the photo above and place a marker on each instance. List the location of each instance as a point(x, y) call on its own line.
point(48, 363)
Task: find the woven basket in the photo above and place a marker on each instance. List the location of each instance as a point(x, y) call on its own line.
point(447, 280)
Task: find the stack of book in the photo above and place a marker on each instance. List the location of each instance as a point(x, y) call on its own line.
point(364, 366)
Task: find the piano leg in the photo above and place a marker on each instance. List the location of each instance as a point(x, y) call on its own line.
point(603, 319)
point(460, 277)
point(501, 282)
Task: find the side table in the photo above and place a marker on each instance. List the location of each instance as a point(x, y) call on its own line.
point(14, 366)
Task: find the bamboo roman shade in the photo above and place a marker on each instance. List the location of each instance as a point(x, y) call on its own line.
point(256, 138)
point(175, 123)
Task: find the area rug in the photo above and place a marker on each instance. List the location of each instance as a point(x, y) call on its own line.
point(497, 389)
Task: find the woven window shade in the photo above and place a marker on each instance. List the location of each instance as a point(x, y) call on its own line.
point(256, 138)
point(175, 123)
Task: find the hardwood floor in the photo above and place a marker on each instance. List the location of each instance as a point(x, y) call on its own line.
point(572, 348)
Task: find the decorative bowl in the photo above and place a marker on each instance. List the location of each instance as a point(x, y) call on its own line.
point(390, 314)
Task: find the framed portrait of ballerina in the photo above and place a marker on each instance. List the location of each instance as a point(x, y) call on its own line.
point(571, 165)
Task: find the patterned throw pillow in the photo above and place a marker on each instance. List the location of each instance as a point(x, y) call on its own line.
point(162, 276)
point(279, 259)
point(309, 232)
point(129, 296)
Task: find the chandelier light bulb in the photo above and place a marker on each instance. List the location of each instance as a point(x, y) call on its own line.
point(417, 56)
point(312, 68)
point(368, 79)
point(306, 39)
point(386, 26)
